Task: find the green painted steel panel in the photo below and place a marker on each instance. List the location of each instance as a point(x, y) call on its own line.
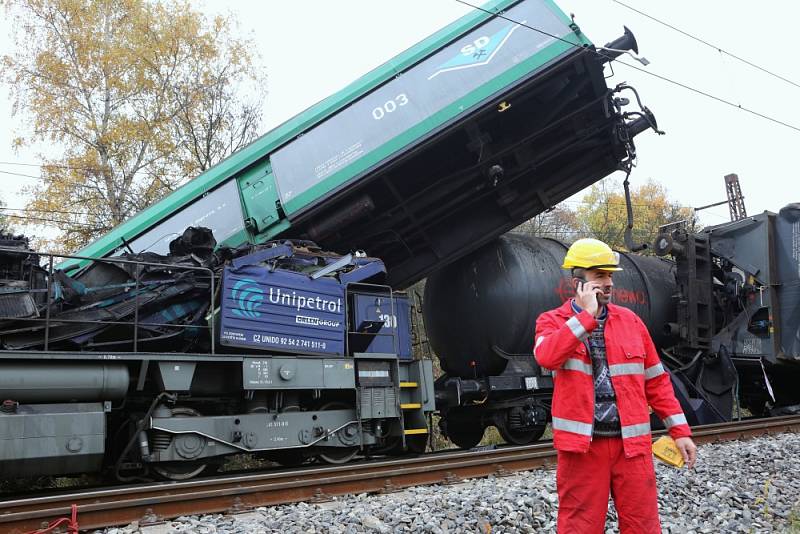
point(422, 129)
point(259, 197)
point(421, 100)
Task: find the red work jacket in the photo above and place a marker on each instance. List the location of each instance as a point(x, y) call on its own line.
point(637, 375)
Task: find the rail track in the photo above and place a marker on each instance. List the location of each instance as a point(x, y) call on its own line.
point(151, 503)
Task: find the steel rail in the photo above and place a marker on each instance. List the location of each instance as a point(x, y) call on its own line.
point(151, 503)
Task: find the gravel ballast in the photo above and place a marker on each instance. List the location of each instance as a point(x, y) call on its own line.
point(740, 486)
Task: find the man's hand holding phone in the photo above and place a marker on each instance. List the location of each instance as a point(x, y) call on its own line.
point(586, 296)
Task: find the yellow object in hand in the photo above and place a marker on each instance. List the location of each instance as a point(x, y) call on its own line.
point(665, 450)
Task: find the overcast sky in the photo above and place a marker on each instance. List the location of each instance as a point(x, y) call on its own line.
point(311, 48)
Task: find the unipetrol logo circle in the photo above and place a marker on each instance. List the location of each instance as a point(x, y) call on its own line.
point(248, 297)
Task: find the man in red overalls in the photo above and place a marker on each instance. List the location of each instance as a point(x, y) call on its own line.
point(606, 373)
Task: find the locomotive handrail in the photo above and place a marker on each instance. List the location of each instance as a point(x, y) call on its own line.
point(392, 329)
point(49, 258)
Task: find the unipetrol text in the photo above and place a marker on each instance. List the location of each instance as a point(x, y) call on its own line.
point(276, 296)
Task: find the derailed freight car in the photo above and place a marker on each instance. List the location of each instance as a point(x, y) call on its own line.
point(187, 350)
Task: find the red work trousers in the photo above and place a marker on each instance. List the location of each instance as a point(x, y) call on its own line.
point(584, 481)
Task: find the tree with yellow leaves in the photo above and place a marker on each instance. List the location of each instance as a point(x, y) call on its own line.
point(5, 222)
point(559, 223)
point(136, 96)
point(602, 213)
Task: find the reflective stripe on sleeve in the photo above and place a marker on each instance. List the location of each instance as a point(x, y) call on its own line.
point(653, 371)
point(574, 364)
point(632, 431)
point(538, 342)
point(576, 427)
point(619, 369)
point(672, 420)
point(577, 328)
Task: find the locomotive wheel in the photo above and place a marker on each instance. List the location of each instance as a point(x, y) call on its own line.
point(336, 455)
point(181, 470)
point(520, 437)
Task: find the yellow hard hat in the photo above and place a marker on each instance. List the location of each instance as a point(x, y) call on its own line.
point(591, 254)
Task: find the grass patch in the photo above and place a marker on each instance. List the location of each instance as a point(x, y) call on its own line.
point(244, 462)
point(21, 486)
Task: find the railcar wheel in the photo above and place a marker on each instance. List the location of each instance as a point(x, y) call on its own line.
point(336, 455)
point(417, 444)
point(520, 437)
point(179, 470)
point(463, 435)
point(188, 469)
point(464, 426)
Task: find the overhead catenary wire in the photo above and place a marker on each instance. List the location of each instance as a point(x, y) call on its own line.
point(44, 179)
point(708, 44)
point(47, 220)
point(713, 97)
point(23, 175)
point(4, 208)
point(69, 167)
point(55, 165)
point(648, 72)
point(93, 187)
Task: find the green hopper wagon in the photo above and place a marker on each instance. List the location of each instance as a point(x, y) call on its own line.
point(488, 122)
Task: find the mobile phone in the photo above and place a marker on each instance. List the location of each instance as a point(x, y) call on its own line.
point(579, 284)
